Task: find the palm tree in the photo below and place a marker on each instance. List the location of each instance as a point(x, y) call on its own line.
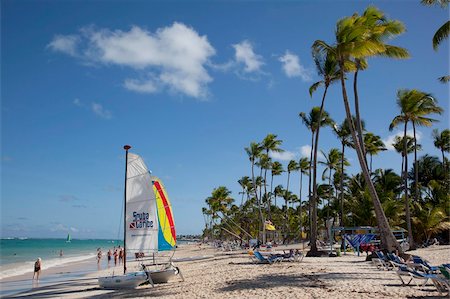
point(443, 31)
point(442, 142)
point(277, 192)
point(303, 167)
point(414, 106)
point(315, 119)
point(331, 163)
point(380, 29)
point(276, 169)
point(343, 133)
point(253, 152)
point(374, 145)
point(243, 182)
point(270, 144)
point(292, 166)
point(354, 41)
point(399, 148)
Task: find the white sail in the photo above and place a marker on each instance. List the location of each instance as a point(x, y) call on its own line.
point(141, 214)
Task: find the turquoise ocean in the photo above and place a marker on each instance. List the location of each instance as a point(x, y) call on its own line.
point(17, 255)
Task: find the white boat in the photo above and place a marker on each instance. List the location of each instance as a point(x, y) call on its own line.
point(126, 281)
point(148, 226)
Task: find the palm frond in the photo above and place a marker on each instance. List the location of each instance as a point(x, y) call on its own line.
point(444, 79)
point(314, 87)
point(441, 34)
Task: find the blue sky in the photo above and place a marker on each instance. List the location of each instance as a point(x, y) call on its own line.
point(188, 84)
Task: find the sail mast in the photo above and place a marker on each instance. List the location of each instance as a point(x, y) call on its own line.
point(126, 148)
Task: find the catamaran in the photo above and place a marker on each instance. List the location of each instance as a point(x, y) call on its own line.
point(148, 227)
point(68, 238)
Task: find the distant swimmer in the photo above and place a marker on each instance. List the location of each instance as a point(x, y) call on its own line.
point(61, 253)
point(37, 268)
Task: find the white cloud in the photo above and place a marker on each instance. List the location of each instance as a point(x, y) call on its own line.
point(100, 111)
point(388, 141)
point(96, 108)
point(65, 43)
point(283, 156)
point(293, 68)
point(176, 54)
point(146, 86)
point(305, 151)
point(244, 54)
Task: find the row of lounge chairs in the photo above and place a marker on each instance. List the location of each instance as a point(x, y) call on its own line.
point(291, 256)
point(416, 270)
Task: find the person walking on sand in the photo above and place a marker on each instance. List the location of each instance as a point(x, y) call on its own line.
point(109, 256)
point(37, 268)
point(120, 255)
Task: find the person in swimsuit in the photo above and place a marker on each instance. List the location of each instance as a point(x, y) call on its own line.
point(37, 268)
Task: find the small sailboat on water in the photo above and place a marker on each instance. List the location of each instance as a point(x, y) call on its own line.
point(68, 238)
point(148, 227)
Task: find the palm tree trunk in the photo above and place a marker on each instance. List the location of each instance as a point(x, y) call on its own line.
point(358, 117)
point(310, 183)
point(242, 199)
point(270, 199)
point(300, 208)
point(286, 201)
point(370, 163)
point(341, 187)
point(256, 196)
point(313, 236)
point(405, 182)
point(388, 240)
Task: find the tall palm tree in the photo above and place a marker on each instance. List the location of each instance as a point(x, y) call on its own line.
point(342, 131)
point(332, 159)
point(270, 143)
point(374, 145)
point(399, 148)
point(253, 152)
point(442, 142)
point(303, 167)
point(292, 166)
point(380, 30)
point(276, 169)
point(277, 191)
point(316, 118)
point(354, 42)
point(415, 106)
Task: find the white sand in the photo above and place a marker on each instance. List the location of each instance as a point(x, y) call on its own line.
point(232, 275)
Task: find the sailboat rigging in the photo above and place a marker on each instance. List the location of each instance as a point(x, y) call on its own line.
point(148, 225)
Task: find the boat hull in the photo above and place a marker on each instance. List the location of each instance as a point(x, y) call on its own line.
point(127, 281)
point(162, 276)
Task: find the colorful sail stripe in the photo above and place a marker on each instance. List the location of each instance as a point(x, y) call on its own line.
point(165, 216)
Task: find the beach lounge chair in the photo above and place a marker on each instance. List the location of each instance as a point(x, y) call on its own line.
point(382, 262)
point(267, 260)
point(404, 270)
point(426, 266)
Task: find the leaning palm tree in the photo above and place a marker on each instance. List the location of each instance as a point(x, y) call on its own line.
point(276, 169)
point(352, 42)
point(442, 142)
point(374, 145)
point(415, 106)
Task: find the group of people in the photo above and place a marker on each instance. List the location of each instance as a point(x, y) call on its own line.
point(117, 253)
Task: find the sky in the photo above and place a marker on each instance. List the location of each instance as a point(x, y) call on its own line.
point(189, 85)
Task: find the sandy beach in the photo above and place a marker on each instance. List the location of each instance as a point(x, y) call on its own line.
point(209, 272)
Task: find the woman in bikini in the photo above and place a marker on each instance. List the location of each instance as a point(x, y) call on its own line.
point(37, 269)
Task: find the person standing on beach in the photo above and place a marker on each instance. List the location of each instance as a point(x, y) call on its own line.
point(37, 268)
point(109, 256)
point(116, 255)
point(99, 255)
point(120, 255)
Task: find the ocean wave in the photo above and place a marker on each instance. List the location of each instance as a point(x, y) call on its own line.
point(28, 267)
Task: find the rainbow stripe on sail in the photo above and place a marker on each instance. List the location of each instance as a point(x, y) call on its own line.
point(167, 237)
